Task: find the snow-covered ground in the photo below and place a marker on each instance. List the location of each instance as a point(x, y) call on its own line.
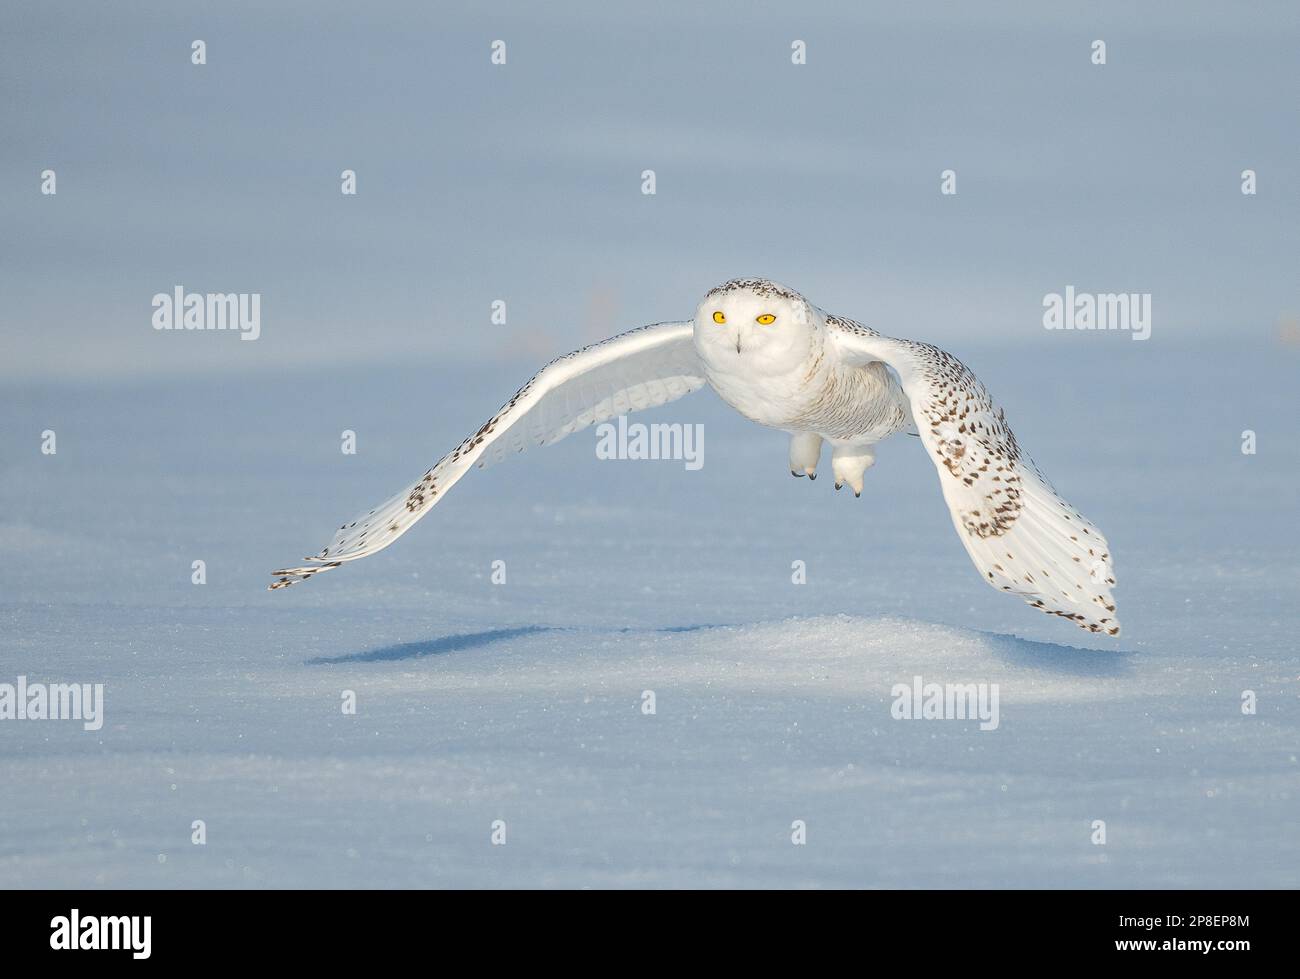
point(522, 701)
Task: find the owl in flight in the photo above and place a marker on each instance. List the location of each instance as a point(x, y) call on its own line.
point(784, 363)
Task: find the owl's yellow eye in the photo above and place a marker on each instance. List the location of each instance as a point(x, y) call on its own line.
point(766, 318)
point(718, 317)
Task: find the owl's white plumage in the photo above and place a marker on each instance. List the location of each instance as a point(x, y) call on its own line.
point(785, 364)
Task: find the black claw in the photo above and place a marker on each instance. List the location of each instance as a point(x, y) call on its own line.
point(812, 475)
point(856, 493)
point(796, 475)
point(838, 485)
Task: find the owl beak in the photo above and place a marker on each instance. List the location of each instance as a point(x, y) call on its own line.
point(737, 343)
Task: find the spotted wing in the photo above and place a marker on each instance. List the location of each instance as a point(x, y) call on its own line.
point(1022, 536)
point(637, 370)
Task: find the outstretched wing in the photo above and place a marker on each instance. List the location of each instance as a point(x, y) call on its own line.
point(641, 369)
point(1023, 538)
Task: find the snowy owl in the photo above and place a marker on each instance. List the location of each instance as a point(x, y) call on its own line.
point(784, 363)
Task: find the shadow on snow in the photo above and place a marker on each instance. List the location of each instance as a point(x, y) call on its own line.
point(1050, 657)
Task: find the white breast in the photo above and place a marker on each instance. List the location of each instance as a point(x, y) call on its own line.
point(841, 403)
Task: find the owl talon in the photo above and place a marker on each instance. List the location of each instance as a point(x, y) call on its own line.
point(849, 463)
point(805, 450)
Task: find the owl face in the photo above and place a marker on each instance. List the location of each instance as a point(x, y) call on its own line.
point(756, 325)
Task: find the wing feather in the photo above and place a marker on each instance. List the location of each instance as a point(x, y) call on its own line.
point(1023, 537)
point(641, 369)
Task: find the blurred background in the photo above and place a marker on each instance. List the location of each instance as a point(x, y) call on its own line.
point(522, 182)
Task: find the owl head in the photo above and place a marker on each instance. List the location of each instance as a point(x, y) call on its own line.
point(756, 324)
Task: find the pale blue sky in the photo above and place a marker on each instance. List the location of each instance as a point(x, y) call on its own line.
point(522, 182)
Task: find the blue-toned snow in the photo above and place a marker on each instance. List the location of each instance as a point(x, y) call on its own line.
point(522, 701)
